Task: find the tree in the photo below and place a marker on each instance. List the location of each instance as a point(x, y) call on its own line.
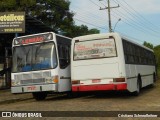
point(157, 54)
point(94, 31)
point(53, 13)
point(149, 45)
point(16, 5)
point(81, 30)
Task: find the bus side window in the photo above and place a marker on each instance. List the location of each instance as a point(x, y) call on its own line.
point(125, 51)
point(64, 58)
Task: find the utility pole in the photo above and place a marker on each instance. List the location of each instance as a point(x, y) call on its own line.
point(109, 14)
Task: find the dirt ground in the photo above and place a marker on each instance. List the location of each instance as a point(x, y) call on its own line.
point(148, 100)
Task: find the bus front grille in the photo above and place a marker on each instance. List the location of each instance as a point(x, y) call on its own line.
point(33, 81)
point(32, 78)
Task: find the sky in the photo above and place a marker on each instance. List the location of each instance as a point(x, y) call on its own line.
point(140, 19)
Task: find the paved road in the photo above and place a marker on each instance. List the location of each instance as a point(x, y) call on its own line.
point(148, 100)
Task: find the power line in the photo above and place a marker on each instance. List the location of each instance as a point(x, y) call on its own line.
point(134, 26)
point(94, 20)
point(82, 20)
point(90, 23)
point(102, 3)
point(94, 3)
point(147, 21)
point(133, 38)
point(89, 14)
point(136, 16)
point(109, 14)
point(141, 27)
point(137, 24)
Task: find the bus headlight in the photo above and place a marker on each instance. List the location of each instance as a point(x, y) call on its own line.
point(15, 82)
point(53, 79)
point(48, 80)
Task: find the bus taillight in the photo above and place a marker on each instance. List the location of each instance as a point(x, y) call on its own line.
point(76, 82)
point(119, 80)
point(76, 40)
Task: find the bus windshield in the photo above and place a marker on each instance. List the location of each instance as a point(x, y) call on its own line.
point(93, 49)
point(34, 57)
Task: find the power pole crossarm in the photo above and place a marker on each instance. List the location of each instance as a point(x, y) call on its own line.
point(109, 15)
point(110, 7)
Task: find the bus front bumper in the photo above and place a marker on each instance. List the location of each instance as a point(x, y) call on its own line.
point(102, 87)
point(34, 88)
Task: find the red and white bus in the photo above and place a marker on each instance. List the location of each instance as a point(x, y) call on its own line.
point(41, 64)
point(110, 62)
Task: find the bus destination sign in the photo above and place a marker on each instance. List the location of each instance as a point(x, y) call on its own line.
point(33, 39)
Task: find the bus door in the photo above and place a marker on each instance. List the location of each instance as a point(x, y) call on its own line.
point(64, 64)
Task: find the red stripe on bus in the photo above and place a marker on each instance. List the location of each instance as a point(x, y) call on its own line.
point(99, 87)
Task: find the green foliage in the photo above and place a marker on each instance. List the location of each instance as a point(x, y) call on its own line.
point(53, 13)
point(149, 45)
point(16, 5)
point(81, 30)
point(157, 54)
point(6, 5)
point(94, 31)
point(159, 72)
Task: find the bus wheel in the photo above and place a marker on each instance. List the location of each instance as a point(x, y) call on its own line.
point(136, 93)
point(154, 77)
point(69, 94)
point(39, 95)
point(154, 80)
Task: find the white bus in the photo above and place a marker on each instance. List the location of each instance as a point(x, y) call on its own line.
point(41, 64)
point(110, 62)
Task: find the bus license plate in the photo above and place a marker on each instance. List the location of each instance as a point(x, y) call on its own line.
point(96, 81)
point(31, 88)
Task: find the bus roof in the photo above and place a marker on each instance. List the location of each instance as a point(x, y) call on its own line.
point(38, 34)
point(132, 41)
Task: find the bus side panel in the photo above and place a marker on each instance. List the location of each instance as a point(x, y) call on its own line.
point(132, 84)
point(146, 73)
point(131, 77)
point(132, 72)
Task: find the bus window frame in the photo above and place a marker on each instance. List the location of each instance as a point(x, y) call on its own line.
point(36, 44)
point(100, 57)
point(142, 60)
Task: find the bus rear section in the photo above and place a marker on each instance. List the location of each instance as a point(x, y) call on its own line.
point(97, 63)
point(39, 67)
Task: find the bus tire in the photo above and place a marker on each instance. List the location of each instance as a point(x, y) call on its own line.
point(154, 80)
point(136, 93)
point(39, 95)
point(154, 77)
point(69, 94)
